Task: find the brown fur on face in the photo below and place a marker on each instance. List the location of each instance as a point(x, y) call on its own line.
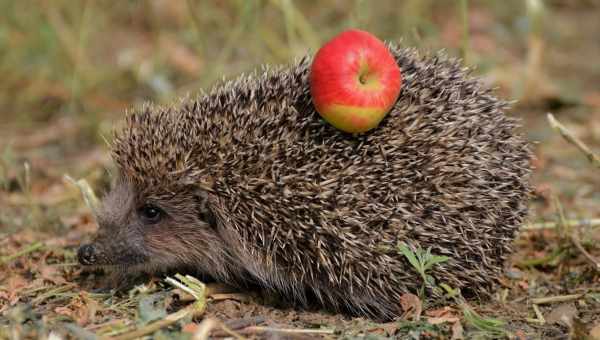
point(182, 238)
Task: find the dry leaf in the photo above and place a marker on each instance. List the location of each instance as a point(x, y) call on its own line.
point(191, 327)
point(457, 331)
point(411, 304)
point(51, 273)
point(520, 335)
point(442, 319)
point(64, 310)
point(14, 285)
point(563, 314)
point(440, 311)
point(441, 315)
point(81, 309)
point(523, 284)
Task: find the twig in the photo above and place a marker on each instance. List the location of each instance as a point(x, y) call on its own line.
point(539, 316)
point(569, 137)
point(556, 299)
point(588, 256)
point(586, 222)
point(535, 51)
point(104, 324)
point(204, 328)
point(194, 309)
point(233, 296)
point(231, 332)
point(262, 329)
point(230, 327)
point(24, 251)
point(54, 292)
point(209, 324)
point(89, 197)
point(573, 235)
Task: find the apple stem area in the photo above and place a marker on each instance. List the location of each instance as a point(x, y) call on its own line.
point(362, 78)
point(364, 73)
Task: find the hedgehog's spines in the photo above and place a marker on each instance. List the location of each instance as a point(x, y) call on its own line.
point(316, 210)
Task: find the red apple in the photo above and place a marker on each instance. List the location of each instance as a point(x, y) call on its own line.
point(354, 81)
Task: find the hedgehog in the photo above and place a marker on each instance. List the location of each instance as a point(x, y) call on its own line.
point(247, 185)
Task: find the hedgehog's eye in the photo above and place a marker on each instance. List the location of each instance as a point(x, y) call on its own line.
point(150, 214)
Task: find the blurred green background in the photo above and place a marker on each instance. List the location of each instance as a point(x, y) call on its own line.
point(95, 58)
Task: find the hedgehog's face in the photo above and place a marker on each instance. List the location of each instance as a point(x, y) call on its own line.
point(141, 230)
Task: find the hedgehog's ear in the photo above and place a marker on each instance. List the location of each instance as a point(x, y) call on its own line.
point(202, 188)
point(204, 209)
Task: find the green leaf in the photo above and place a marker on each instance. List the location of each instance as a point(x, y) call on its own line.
point(451, 292)
point(435, 259)
point(410, 256)
point(488, 325)
point(430, 280)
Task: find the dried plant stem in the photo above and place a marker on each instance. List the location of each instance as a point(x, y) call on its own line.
point(231, 332)
point(535, 49)
point(89, 197)
point(588, 256)
point(573, 234)
point(193, 309)
point(231, 328)
point(204, 328)
point(464, 15)
point(595, 160)
point(261, 329)
point(577, 223)
point(51, 293)
point(29, 249)
point(569, 137)
point(556, 299)
point(208, 325)
point(539, 316)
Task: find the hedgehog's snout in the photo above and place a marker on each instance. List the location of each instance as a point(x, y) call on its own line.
point(87, 254)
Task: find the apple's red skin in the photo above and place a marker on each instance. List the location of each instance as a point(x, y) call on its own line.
point(337, 92)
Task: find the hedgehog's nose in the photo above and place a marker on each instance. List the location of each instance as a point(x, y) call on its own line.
point(85, 254)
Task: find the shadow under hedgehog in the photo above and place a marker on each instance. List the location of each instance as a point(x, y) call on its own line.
point(248, 184)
